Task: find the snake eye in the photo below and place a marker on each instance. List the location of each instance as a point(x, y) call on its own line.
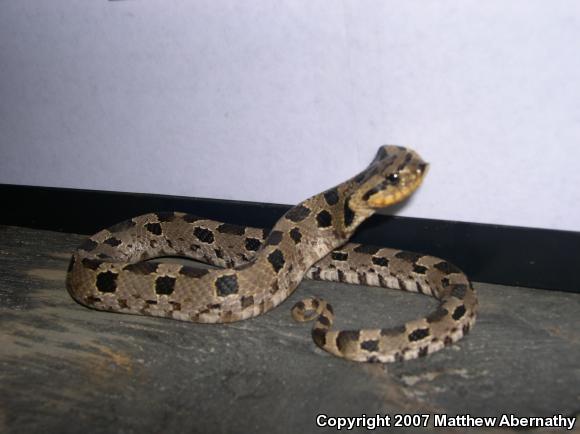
point(393, 178)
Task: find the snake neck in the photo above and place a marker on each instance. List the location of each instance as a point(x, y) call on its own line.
point(318, 225)
point(305, 234)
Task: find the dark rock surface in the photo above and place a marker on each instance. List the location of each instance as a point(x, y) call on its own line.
point(65, 368)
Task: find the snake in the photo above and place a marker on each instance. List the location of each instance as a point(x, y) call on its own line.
point(258, 269)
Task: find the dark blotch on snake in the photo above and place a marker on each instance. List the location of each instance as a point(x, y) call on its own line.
point(204, 235)
point(144, 268)
point(193, 271)
point(393, 331)
point(296, 235)
point(276, 258)
point(247, 301)
point(164, 285)
point(112, 241)
point(346, 337)
point(323, 320)
point(226, 228)
point(382, 262)
point(324, 219)
point(339, 256)
point(438, 315)
point(348, 213)
point(458, 312)
point(423, 351)
point(319, 336)
point(190, 218)
point(89, 245)
point(165, 216)
point(371, 345)
point(253, 244)
point(447, 267)
point(418, 334)
point(409, 256)
point(362, 279)
point(93, 264)
point(465, 329)
point(107, 281)
point(364, 248)
point(459, 290)
point(382, 281)
point(226, 285)
point(300, 305)
point(331, 196)
point(315, 273)
point(297, 213)
point(274, 238)
point(419, 269)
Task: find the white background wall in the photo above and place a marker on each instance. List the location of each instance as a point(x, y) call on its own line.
point(275, 101)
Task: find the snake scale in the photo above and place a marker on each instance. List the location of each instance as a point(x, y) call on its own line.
point(259, 269)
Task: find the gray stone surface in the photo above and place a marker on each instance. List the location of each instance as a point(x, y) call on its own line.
point(65, 368)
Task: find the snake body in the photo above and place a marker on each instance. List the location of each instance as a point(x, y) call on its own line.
point(260, 270)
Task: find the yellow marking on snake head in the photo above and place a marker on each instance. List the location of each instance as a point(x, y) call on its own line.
point(395, 173)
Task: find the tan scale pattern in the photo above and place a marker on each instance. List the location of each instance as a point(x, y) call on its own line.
point(258, 272)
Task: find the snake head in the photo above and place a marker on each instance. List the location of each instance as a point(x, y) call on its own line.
point(393, 175)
